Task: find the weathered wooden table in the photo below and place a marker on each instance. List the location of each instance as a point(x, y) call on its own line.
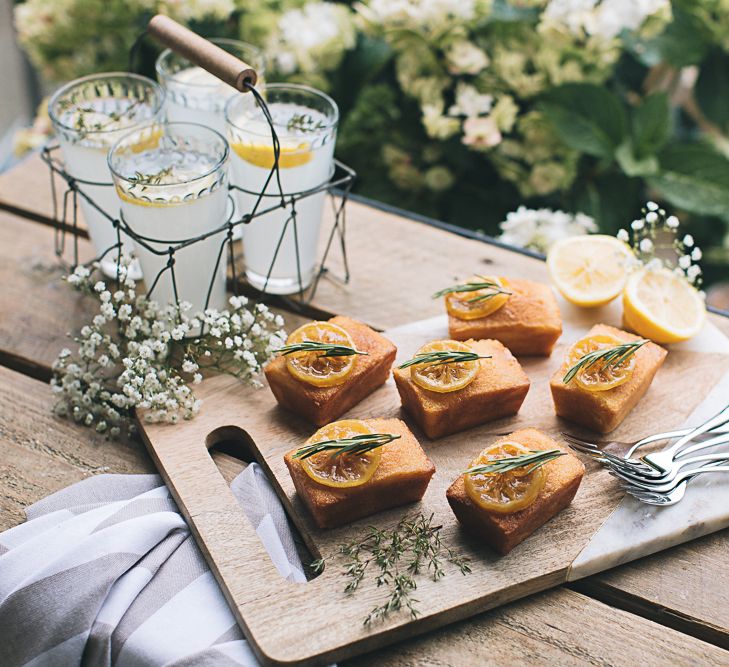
point(672, 608)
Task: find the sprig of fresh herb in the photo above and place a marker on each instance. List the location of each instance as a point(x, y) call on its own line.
point(143, 180)
point(357, 444)
point(327, 349)
point(81, 123)
point(535, 459)
point(413, 547)
point(304, 122)
point(611, 357)
point(443, 357)
point(474, 286)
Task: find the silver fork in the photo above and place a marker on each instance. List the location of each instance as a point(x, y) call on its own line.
point(628, 469)
point(672, 492)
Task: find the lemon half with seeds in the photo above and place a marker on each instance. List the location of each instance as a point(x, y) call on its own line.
point(504, 492)
point(342, 470)
point(663, 306)
point(590, 270)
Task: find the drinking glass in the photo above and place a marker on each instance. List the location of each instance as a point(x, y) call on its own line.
point(305, 121)
point(196, 96)
point(172, 181)
point(89, 115)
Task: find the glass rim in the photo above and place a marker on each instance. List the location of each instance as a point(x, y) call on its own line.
point(221, 161)
point(65, 88)
point(296, 87)
point(162, 71)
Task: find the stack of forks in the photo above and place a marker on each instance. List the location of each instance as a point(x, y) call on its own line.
point(661, 478)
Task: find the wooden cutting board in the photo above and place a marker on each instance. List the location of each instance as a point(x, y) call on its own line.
point(317, 623)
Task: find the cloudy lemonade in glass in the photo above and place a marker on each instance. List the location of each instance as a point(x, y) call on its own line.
point(89, 115)
point(171, 180)
point(305, 121)
point(196, 96)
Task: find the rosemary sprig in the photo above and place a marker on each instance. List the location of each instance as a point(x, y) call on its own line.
point(357, 444)
point(304, 122)
point(328, 349)
point(611, 357)
point(535, 459)
point(442, 357)
point(485, 284)
point(413, 547)
point(143, 180)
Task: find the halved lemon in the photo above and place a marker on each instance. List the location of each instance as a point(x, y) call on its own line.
point(262, 155)
point(663, 306)
point(445, 377)
point(313, 367)
point(342, 470)
point(504, 492)
point(601, 375)
point(479, 303)
point(590, 270)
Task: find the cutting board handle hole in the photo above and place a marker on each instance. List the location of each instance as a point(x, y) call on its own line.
point(232, 441)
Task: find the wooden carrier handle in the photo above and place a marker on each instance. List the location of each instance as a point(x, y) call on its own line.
point(203, 53)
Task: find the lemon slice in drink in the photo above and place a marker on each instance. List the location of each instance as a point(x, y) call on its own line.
point(445, 377)
point(342, 470)
point(504, 492)
point(590, 270)
point(313, 367)
point(662, 306)
point(262, 155)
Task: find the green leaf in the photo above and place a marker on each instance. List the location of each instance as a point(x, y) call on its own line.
point(651, 125)
point(588, 118)
point(695, 177)
point(632, 165)
point(712, 88)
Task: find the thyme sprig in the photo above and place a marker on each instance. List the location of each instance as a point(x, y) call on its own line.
point(474, 286)
point(535, 459)
point(141, 179)
point(81, 123)
point(611, 357)
point(327, 349)
point(304, 122)
point(397, 556)
point(357, 444)
point(442, 357)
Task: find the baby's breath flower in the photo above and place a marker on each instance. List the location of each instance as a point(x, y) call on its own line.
point(688, 240)
point(623, 235)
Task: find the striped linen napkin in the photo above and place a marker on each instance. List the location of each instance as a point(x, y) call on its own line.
point(107, 572)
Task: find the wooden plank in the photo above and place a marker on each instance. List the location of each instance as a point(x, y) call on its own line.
point(555, 628)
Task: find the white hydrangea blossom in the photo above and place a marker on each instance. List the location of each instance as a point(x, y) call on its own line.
point(604, 19)
point(138, 354)
point(426, 14)
point(469, 102)
point(538, 229)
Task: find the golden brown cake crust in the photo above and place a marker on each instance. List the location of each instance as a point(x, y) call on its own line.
point(321, 405)
point(603, 411)
point(503, 532)
point(497, 391)
point(402, 477)
point(529, 323)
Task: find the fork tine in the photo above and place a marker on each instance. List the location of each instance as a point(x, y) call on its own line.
point(579, 441)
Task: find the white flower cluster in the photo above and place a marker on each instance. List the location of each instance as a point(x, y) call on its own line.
point(195, 10)
point(604, 19)
point(657, 243)
point(313, 37)
point(419, 14)
point(138, 354)
point(538, 229)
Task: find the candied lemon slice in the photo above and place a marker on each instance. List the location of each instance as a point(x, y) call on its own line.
point(444, 377)
point(261, 155)
point(341, 470)
point(313, 367)
point(589, 270)
point(600, 375)
point(504, 492)
point(479, 303)
point(663, 306)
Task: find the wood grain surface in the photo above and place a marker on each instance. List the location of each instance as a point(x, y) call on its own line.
point(673, 597)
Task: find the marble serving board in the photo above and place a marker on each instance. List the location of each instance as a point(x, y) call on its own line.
point(317, 623)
